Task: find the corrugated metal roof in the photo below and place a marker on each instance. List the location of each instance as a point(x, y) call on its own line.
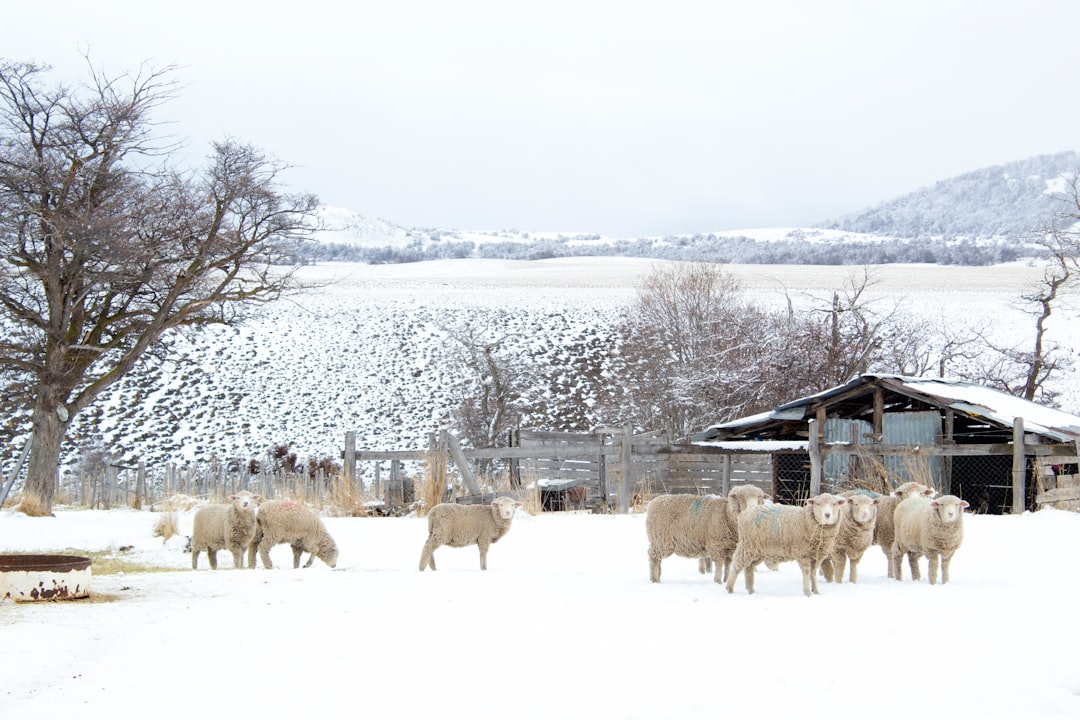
point(994, 406)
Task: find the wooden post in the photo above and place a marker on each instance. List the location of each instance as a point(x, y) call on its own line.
point(725, 474)
point(815, 458)
point(349, 459)
point(1019, 468)
point(462, 463)
point(626, 482)
point(140, 485)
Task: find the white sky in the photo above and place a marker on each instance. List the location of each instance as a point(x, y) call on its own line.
point(622, 118)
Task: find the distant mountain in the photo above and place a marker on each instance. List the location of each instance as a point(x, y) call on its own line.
point(979, 218)
point(1004, 201)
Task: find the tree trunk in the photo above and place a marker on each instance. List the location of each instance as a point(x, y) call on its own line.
point(43, 468)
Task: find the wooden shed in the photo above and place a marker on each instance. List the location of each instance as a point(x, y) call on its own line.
point(1000, 453)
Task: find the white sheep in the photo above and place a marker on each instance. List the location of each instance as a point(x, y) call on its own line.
point(228, 525)
point(934, 528)
point(286, 521)
point(857, 521)
point(778, 533)
point(883, 526)
point(703, 527)
point(463, 525)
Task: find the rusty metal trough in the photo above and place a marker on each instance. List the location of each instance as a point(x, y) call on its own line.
point(32, 578)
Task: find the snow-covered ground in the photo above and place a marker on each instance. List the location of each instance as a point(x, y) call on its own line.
point(564, 623)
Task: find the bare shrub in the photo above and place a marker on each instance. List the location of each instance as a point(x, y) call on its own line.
point(167, 526)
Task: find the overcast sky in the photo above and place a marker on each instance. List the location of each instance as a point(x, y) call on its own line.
point(622, 118)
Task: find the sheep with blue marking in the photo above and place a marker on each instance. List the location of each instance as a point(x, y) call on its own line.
point(702, 527)
point(779, 533)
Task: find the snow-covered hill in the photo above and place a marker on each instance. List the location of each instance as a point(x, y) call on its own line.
point(363, 353)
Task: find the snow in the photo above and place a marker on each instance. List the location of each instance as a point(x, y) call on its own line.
point(564, 623)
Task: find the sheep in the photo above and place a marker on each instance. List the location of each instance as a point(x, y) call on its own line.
point(286, 521)
point(857, 521)
point(228, 525)
point(778, 533)
point(883, 526)
point(703, 527)
point(463, 525)
point(934, 528)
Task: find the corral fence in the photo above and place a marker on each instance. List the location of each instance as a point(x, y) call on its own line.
point(610, 469)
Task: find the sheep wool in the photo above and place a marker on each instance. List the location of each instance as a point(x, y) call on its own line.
point(228, 525)
point(463, 525)
point(778, 533)
point(934, 528)
point(703, 527)
point(883, 525)
point(286, 521)
point(857, 521)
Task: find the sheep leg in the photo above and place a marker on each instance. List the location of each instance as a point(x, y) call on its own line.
point(705, 565)
point(945, 560)
point(913, 563)
point(483, 545)
point(809, 579)
point(853, 574)
point(828, 569)
point(727, 568)
point(932, 566)
point(891, 563)
point(194, 559)
point(896, 564)
point(211, 555)
point(748, 575)
point(297, 551)
point(736, 568)
point(655, 558)
point(238, 558)
point(264, 554)
point(253, 548)
point(427, 557)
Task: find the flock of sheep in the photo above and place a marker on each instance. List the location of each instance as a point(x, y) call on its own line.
point(728, 535)
point(738, 532)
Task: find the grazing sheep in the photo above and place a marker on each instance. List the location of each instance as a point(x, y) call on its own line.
point(285, 521)
point(703, 527)
point(778, 533)
point(463, 525)
point(857, 521)
point(934, 528)
point(228, 525)
point(883, 526)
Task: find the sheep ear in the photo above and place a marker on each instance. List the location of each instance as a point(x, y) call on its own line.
point(809, 501)
point(841, 501)
point(963, 503)
point(876, 500)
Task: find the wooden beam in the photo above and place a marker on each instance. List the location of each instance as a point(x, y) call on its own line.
point(1019, 468)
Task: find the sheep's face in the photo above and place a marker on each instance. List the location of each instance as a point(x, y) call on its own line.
point(863, 508)
point(746, 497)
point(949, 508)
point(826, 508)
point(504, 507)
point(328, 551)
point(912, 489)
point(244, 500)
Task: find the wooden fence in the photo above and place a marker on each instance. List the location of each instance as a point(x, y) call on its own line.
point(612, 464)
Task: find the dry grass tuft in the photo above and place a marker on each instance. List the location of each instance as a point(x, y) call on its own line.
point(33, 506)
point(167, 526)
point(433, 484)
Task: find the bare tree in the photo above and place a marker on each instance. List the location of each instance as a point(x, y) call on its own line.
point(494, 379)
point(1023, 370)
point(106, 249)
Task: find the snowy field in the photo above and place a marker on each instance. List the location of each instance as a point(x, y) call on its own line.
point(564, 623)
